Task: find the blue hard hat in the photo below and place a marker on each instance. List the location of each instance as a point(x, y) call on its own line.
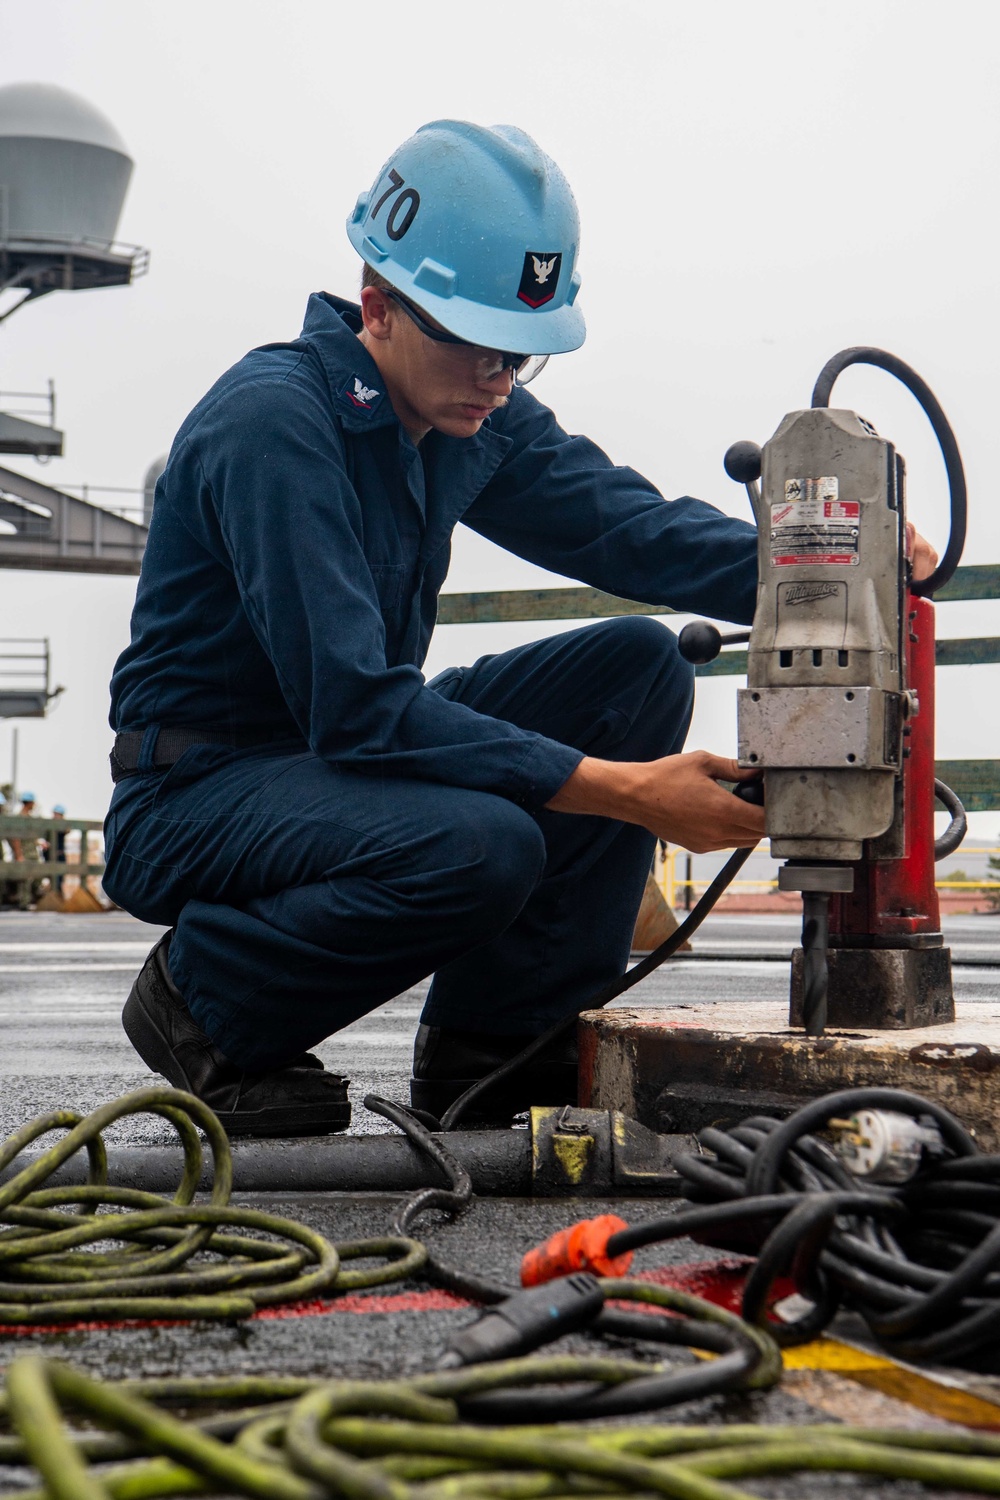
point(58, 808)
point(480, 229)
point(27, 796)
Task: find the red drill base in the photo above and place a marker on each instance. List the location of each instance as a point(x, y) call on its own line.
point(882, 989)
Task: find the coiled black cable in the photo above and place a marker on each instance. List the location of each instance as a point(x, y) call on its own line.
point(745, 1357)
point(919, 1261)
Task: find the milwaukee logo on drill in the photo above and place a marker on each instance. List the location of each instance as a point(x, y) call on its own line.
point(806, 593)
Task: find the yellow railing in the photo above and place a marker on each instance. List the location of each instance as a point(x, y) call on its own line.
point(673, 886)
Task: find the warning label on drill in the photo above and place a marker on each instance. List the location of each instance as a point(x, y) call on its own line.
point(812, 526)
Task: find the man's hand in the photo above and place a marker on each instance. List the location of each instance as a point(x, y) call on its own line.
point(677, 797)
point(923, 558)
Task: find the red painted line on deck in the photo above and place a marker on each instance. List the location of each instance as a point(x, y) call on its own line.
point(717, 1281)
point(360, 1302)
point(720, 1282)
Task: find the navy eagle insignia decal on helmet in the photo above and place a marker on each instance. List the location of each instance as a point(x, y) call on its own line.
point(539, 277)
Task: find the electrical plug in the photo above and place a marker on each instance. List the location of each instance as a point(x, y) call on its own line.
point(884, 1146)
point(527, 1320)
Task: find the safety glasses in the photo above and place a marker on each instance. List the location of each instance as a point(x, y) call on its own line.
point(487, 364)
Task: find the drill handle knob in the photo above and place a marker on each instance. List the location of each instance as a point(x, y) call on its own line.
point(750, 791)
point(701, 642)
point(742, 463)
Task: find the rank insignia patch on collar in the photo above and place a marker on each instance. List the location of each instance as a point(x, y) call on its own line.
point(539, 277)
point(360, 395)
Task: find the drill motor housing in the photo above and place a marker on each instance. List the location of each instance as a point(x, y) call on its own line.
point(826, 703)
point(838, 711)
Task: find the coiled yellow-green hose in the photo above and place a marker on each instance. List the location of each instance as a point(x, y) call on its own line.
point(169, 1258)
point(279, 1438)
point(404, 1440)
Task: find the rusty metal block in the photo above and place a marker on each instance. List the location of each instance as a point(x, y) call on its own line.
point(681, 1068)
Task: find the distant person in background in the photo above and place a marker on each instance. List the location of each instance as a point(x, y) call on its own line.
point(8, 889)
point(59, 852)
point(26, 849)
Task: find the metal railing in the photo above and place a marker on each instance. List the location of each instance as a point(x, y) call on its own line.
point(88, 244)
point(34, 649)
point(976, 782)
point(24, 678)
point(19, 877)
point(43, 404)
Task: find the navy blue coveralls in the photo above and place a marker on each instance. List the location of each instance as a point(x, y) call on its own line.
point(366, 828)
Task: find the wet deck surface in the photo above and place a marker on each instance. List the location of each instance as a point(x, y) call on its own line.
point(63, 980)
point(62, 983)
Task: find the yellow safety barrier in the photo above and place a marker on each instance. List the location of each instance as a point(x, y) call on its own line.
point(673, 886)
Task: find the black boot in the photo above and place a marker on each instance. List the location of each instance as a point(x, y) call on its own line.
point(447, 1062)
point(298, 1099)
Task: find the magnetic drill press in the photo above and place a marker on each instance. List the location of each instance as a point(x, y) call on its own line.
point(838, 711)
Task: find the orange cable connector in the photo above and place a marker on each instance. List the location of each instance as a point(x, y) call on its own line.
point(581, 1247)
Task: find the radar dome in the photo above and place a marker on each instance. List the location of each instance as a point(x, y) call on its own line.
point(64, 168)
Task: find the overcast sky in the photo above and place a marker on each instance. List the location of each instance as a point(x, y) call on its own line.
point(759, 185)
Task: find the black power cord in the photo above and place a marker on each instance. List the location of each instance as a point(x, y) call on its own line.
point(865, 355)
point(452, 1199)
point(959, 825)
point(920, 1261)
point(517, 1321)
point(604, 996)
point(526, 1320)
point(739, 1364)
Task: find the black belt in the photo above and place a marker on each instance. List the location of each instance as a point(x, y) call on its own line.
point(170, 745)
